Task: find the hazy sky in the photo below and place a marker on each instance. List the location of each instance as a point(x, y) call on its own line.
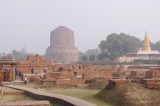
point(29, 22)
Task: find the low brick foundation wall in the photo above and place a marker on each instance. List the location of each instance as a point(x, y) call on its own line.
point(153, 85)
point(13, 83)
point(138, 73)
point(71, 82)
point(13, 92)
point(1, 92)
point(27, 103)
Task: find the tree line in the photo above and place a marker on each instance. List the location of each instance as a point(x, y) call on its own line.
point(114, 46)
point(18, 55)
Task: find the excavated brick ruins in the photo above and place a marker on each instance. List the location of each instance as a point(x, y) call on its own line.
point(74, 74)
point(46, 72)
point(54, 73)
point(149, 76)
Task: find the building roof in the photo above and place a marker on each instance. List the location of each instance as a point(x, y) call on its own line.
point(148, 52)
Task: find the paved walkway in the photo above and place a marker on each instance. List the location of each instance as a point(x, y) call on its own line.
point(72, 100)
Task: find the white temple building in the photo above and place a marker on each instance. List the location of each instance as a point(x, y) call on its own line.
point(143, 54)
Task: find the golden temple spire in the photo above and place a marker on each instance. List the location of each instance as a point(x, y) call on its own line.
point(146, 43)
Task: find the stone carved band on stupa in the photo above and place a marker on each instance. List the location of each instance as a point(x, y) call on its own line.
point(146, 43)
point(62, 46)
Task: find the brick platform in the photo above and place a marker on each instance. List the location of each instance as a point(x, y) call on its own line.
point(12, 83)
point(13, 92)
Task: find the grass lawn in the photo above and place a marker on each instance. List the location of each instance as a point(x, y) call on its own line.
point(85, 94)
point(81, 93)
point(15, 98)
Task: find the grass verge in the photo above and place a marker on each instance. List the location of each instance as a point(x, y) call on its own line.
point(84, 94)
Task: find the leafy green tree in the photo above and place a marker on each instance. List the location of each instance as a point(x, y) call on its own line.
point(92, 57)
point(84, 58)
point(103, 46)
point(102, 56)
point(95, 52)
point(20, 55)
point(80, 55)
point(119, 44)
point(155, 46)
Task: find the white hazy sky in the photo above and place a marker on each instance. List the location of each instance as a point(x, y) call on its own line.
point(29, 22)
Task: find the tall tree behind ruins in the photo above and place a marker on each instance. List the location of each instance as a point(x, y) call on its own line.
point(116, 45)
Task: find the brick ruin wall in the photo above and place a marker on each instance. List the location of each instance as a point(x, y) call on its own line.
point(138, 73)
point(153, 74)
point(77, 76)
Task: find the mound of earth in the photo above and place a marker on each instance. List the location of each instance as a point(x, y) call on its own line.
point(130, 95)
point(98, 83)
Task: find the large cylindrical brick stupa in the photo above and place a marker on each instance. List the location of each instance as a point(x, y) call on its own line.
point(62, 46)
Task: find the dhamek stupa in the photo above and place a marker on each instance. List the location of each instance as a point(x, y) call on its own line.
point(62, 46)
point(146, 53)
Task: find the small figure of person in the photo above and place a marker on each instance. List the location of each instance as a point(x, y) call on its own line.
point(60, 68)
point(5, 75)
point(32, 71)
point(25, 79)
point(126, 78)
point(22, 76)
point(1, 76)
point(16, 74)
point(19, 74)
point(45, 70)
point(10, 76)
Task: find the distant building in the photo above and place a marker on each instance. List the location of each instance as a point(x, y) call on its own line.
point(143, 54)
point(23, 50)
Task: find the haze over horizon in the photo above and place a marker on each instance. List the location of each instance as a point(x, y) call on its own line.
point(28, 23)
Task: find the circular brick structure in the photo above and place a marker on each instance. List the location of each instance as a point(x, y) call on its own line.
point(62, 46)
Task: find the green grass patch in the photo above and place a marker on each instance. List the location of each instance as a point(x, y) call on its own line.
point(81, 93)
point(84, 94)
